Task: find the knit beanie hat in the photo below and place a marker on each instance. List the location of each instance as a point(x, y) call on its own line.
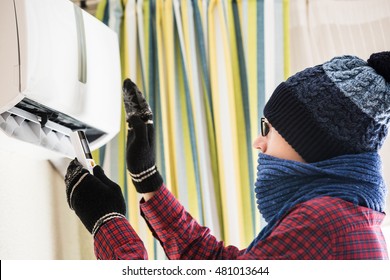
point(336, 108)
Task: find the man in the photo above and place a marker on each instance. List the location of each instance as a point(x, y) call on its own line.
point(319, 184)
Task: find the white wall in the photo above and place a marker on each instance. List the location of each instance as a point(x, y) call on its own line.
point(35, 221)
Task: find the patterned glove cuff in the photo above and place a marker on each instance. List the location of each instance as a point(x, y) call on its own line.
point(104, 219)
point(70, 193)
point(147, 181)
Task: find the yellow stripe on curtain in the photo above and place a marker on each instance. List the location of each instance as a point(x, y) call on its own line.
point(253, 89)
point(241, 123)
point(211, 190)
point(184, 17)
point(100, 9)
point(123, 131)
point(226, 123)
point(164, 26)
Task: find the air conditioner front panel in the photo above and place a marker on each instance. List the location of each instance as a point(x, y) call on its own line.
point(48, 52)
point(103, 76)
point(58, 63)
point(79, 79)
point(9, 57)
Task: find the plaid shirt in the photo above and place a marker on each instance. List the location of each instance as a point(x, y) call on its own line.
point(321, 228)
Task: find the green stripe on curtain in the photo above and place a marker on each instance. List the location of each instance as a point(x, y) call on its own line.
point(206, 125)
point(255, 47)
point(248, 167)
point(102, 14)
point(261, 75)
point(184, 63)
point(226, 116)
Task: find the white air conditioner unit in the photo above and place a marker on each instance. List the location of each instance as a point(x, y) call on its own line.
point(59, 72)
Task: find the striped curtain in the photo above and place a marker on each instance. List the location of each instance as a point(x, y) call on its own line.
point(206, 68)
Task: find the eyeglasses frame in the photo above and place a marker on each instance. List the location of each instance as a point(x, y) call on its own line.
point(264, 125)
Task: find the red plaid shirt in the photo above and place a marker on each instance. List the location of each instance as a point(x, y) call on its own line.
point(321, 228)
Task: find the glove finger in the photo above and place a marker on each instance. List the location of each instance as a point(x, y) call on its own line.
point(73, 172)
point(150, 129)
point(135, 102)
point(139, 129)
point(74, 176)
point(130, 136)
point(99, 173)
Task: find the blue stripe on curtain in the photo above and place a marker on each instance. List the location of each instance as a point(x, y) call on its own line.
point(260, 57)
point(191, 126)
point(245, 99)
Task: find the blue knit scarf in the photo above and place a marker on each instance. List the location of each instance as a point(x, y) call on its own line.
point(282, 184)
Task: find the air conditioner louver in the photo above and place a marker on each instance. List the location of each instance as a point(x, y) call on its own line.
point(26, 127)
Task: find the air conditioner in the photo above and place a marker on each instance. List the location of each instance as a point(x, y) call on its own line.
point(60, 72)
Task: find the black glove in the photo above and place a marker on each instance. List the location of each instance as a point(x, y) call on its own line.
point(140, 154)
point(95, 198)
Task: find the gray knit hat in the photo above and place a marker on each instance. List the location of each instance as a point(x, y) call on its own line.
point(336, 108)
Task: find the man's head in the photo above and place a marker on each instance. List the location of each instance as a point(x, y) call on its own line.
point(336, 108)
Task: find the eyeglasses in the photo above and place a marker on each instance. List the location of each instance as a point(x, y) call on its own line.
point(264, 127)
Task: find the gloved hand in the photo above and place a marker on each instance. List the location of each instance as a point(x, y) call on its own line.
point(95, 198)
point(140, 154)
